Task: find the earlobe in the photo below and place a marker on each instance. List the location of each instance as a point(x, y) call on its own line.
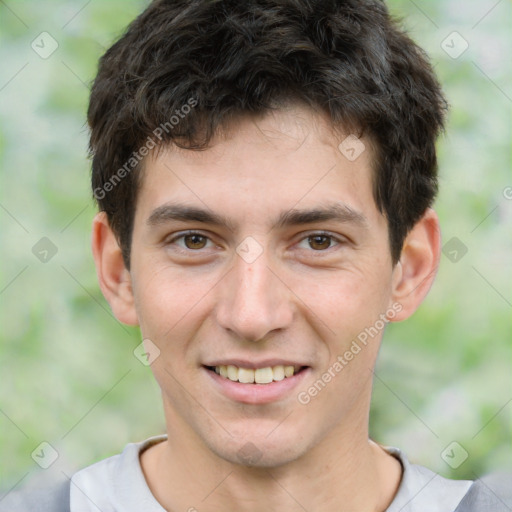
point(113, 276)
point(414, 274)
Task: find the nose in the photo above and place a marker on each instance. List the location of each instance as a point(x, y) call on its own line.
point(254, 300)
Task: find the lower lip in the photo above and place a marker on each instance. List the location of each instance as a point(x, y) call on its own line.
point(257, 393)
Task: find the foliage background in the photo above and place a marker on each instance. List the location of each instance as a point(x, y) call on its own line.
point(67, 368)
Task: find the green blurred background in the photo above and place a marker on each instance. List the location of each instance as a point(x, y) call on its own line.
point(68, 373)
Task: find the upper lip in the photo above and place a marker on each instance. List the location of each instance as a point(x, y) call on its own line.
point(243, 363)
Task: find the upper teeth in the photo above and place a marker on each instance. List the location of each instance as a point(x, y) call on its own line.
point(258, 376)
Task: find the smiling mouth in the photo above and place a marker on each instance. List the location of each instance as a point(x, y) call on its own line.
point(265, 375)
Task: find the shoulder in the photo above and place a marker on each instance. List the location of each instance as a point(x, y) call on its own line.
point(115, 483)
point(492, 492)
point(52, 496)
point(421, 489)
point(110, 484)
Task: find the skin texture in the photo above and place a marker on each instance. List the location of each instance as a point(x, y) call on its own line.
point(198, 301)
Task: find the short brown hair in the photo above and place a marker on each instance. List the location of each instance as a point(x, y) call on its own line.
point(204, 61)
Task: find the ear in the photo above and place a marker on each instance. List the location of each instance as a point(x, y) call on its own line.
point(114, 279)
point(414, 274)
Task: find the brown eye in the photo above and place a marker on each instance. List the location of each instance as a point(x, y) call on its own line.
point(319, 242)
point(195, 241)
point(189, 243)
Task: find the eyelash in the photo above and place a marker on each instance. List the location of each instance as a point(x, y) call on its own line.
point(327, 234)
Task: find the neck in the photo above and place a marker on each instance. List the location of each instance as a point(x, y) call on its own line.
point(345, 472)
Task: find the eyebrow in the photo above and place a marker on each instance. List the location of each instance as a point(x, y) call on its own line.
point(339, 212)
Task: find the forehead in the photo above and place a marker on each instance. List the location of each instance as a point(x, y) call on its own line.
point(256, 167)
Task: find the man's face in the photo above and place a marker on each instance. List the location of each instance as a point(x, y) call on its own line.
point(259, 293)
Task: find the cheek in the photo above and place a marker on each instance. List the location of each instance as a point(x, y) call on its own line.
point(167, 298)
point(345, 302)
point(171, 302)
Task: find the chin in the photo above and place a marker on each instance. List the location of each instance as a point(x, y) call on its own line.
point(259, 451)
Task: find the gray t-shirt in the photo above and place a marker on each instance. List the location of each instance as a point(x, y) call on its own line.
point(117, 484)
